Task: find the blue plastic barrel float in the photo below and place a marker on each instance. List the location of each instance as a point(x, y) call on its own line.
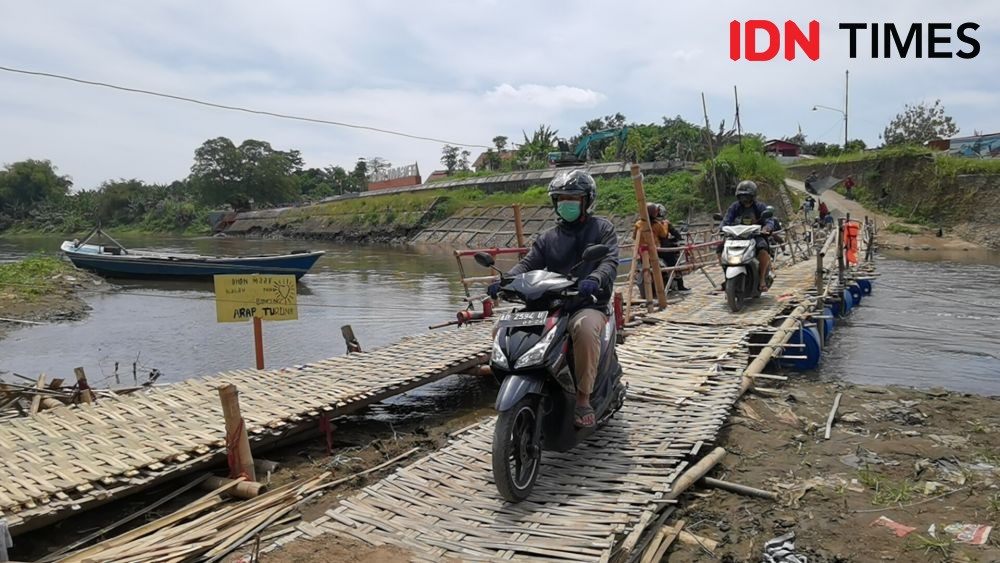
point(856, 292)
point(847, 304)
point(809, 353)
point(866, 286)
point(828, 323)
point(843, 305)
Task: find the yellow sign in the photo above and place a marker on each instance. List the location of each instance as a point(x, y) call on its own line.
point(242, 297)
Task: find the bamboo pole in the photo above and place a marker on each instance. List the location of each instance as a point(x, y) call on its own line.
point(833, 414)
point(518, 228)
point(36, 401)
point(461, 273)
point(683, 483)
point(646, 280)
point(242, 490)
point(780, 336)
point(661, 542)
point(86, 395)
point(630, 280)
point(647, 237)
point(738, 488)
point(237, 442)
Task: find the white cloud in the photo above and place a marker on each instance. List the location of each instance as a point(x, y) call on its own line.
point(685, 55)
point(544, 96)
point(462, 71)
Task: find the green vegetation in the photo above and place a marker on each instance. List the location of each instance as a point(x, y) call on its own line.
point(31, 277)
point(746, 162)
point(903, 229)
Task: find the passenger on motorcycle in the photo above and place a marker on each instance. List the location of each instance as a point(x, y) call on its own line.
point(746, 210)
point(778, 228)
point(574, 196)
point(667, 236)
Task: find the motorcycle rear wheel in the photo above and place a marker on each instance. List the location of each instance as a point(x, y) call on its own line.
point(516, 456)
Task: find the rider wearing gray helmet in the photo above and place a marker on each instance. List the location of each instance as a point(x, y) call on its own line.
point(574, 197)
point(746, 210)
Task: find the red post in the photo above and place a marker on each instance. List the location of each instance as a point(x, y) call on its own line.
point(258, 341)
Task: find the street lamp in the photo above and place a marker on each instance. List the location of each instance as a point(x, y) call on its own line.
point(841, 111)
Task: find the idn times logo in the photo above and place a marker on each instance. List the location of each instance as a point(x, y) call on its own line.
point(886, 40)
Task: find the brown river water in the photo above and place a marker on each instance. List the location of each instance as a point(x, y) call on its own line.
point(931, 321)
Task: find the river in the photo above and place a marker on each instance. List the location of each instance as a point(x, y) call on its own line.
point(931, 320)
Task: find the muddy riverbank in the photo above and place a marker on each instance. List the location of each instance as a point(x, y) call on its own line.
point(61, 301)
point(917, 457)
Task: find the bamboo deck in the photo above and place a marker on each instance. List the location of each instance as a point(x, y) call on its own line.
point(60, 461)
point(684, 376)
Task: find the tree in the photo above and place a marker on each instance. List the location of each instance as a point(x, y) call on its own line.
point(377, 165)
point(918, 124)
point(855, 145)
point(28, 183)
point(359, 176)
point(120, 202)
point(449, 158)
point(500, 142)
point(798, 138)
point(463, 160)
point(537, 148)
point(252, 173)
point(681, 140)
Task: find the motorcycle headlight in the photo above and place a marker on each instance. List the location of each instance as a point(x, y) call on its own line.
point(536, 353)
point(735, 260)
point(498, 357)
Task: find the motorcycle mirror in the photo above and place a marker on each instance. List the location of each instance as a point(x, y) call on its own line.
point(767, 214)
point(595, 252)
point(484, 260)
point(717, 216)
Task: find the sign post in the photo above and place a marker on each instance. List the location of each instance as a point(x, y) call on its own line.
point(243, 297)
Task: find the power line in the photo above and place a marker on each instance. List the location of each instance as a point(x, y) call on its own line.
point(235, 108)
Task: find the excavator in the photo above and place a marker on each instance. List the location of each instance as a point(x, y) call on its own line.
point(580, 154)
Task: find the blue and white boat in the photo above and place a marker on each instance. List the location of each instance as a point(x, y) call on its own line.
point(113, 260)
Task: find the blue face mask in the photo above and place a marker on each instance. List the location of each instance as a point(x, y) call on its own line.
point(568, 210)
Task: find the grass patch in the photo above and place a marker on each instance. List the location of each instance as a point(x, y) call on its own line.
point(894, 493)
point(31, 277)
point(677, 192)
point(941, 546)
point(870, 478)
point(903, 229)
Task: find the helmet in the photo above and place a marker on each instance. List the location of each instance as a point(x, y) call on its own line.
point(662, 210)
point(747, 187)
point(575, 183)
point(769, 208)
point(653, 210)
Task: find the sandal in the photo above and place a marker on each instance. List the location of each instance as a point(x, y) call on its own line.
point(581, 413)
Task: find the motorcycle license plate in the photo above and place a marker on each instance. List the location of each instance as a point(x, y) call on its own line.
point(523, 318)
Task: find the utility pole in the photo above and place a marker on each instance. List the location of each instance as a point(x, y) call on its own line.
point(739, 126)
point(711, 149)
point(847, 75)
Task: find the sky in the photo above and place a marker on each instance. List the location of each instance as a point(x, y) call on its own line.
point(463, 71)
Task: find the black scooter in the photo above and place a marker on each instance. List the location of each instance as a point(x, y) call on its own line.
point(533, 354)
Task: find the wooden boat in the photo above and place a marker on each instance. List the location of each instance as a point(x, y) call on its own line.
point(114, 260)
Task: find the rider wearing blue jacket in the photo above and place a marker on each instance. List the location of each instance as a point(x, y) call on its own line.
point(746, 210)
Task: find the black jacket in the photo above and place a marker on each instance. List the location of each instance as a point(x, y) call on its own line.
point(560, 248)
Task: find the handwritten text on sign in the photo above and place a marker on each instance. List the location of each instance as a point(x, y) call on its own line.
point(242, 297)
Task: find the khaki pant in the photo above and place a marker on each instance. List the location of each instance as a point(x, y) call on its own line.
point(585, 328)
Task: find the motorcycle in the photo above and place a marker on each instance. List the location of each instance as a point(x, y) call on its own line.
point(533, 354)
point(740, 265)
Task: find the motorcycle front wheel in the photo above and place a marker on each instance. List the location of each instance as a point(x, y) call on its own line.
point(735, 293)
point(516, 455)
